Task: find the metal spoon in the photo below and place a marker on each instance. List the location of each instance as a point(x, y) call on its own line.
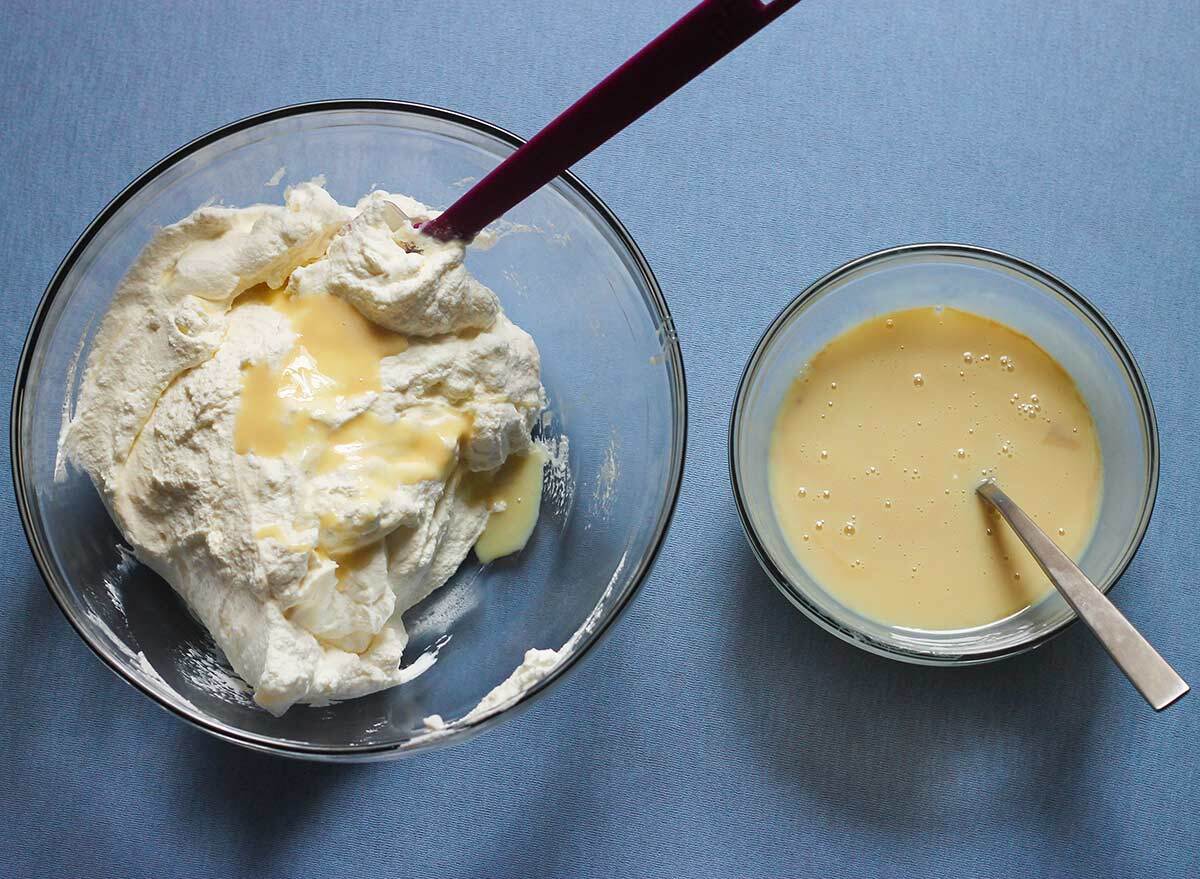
point(1132, 653)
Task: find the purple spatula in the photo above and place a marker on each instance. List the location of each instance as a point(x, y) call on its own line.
point(678, 55)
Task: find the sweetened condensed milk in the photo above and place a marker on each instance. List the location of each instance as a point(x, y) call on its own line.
point(878, 446)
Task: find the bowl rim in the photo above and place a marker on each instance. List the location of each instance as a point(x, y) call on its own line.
point(458, 731)
point(1055, 285)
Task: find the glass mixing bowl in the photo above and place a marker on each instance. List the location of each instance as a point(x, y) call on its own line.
point(566, 271)
point(1012, 292)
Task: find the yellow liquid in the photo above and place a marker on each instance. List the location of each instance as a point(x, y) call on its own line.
point(518, 486)
point(419, 444)
point(880, 442)
point(336, 356)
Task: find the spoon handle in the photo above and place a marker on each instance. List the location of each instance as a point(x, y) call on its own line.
point(1132, 653)
point(682, 52)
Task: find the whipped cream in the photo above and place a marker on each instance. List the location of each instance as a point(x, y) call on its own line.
point(305, 462)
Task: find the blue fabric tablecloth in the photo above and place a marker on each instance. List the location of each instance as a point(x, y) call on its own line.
point(716, 732)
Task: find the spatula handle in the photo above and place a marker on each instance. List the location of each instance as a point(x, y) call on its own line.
point(683, 51)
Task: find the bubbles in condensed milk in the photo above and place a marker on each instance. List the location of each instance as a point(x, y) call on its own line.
point(918, 512)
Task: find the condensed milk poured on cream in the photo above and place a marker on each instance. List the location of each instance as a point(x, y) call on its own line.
point(299, 415)
point(337, 356)
point(878, 446)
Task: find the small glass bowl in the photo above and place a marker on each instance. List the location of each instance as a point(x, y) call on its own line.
point(1012, 292)
point(565, 269)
